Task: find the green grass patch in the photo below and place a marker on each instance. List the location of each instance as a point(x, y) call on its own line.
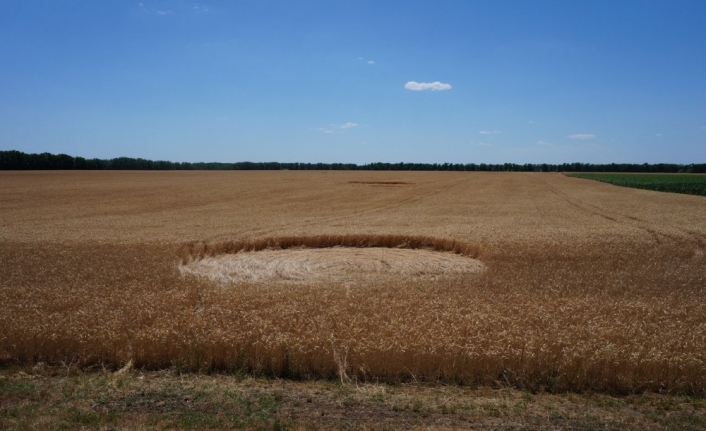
point(672, 183)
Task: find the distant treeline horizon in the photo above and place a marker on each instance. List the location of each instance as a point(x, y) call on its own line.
point(17, 160)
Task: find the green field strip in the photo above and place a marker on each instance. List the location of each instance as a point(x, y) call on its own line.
point(671, 183)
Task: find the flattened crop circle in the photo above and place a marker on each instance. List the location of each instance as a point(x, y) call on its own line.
point(339, 259)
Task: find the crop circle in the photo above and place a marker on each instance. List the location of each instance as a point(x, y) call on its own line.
point(346, 260)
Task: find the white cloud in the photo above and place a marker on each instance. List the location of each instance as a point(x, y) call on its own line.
point(485, 144)
point(530, 122)
point(360, 58)
point(658, 134)
point(544, 144)
point(141, 5)
point(371, 62)
point(582, 136)
point(322, 129)
point(434, 86)
point(490, 132)
point(330, 129)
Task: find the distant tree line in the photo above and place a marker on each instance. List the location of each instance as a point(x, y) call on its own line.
point(17, 160)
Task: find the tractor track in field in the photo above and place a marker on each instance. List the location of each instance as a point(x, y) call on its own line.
point(614, 216)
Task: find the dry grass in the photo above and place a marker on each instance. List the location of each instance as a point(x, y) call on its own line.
point(587, 287)
point(50, 399)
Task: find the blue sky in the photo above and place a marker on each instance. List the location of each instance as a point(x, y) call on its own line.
point(356, 81)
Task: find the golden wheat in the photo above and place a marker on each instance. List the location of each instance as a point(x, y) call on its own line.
point(587, 286)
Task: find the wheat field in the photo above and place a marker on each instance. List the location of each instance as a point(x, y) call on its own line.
point(584, 285)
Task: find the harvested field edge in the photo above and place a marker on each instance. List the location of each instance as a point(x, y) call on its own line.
point(198, 250)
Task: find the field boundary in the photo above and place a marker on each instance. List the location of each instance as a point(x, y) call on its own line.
point(690, 184)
